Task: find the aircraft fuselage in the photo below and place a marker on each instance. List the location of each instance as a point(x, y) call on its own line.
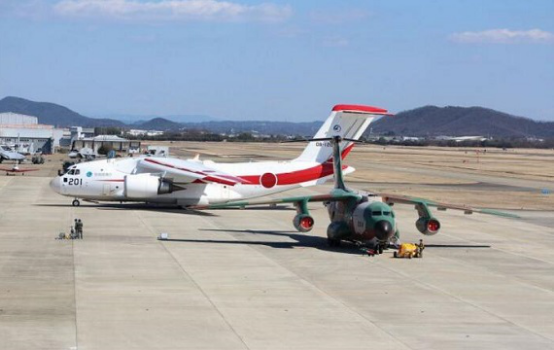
point(117, 180)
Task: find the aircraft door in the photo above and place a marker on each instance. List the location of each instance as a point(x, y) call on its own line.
point(106, 189)
point(64, 186)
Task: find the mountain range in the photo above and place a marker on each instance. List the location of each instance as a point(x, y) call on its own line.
point(140, 119)
point(52, 114)
point(423, 121)
point(460, 121)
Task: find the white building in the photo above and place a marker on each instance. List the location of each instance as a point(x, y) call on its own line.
point(115, 142)
point(78, 132)
point(10, 118)
point(140, 132)
point(25, 129)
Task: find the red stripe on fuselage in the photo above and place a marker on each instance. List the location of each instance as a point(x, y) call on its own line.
point(304, 175)
point(296, 177)
point(290, 178)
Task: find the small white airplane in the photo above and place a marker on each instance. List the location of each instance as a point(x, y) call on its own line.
point(194, 182)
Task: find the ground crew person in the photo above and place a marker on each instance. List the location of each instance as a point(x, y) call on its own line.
point(420, 248)
point(79, 228)
point(75, 230)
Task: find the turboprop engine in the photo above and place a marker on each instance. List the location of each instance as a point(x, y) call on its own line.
point(303, 222)
point(146, 186)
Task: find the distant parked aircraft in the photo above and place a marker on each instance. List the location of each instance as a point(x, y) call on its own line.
point(7, 153)
point(16, 170)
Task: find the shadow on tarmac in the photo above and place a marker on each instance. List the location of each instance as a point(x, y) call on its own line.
point(302, 241)
point(136, 206)
point(456, 246)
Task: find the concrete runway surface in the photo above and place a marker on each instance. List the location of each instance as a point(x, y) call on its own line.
point(245, 279)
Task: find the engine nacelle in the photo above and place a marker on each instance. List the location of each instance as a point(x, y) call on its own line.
point(146, 186)
point(303, 222)
point(428, 225)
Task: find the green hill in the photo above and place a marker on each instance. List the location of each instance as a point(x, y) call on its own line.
point(460, 121)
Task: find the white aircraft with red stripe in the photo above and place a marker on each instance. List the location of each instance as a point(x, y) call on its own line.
point(195, 182)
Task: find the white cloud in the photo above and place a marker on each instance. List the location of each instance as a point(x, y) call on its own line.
point(172, 10)
point(504, 36)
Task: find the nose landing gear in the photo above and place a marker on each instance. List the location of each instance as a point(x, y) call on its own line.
point(76, 203)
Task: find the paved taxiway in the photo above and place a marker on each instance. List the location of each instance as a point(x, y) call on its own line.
point(238, 279)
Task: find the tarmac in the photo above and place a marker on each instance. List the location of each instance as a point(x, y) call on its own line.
point(245, 279)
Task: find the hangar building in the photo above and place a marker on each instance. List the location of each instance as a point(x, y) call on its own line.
point(115, 142)
point(25, 129)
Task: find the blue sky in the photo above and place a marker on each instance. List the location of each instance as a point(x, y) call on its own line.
point(278, 60)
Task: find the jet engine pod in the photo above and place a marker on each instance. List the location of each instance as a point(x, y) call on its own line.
point(303, 222)
point(166, 186)
point(428, 226)
point(146, 186)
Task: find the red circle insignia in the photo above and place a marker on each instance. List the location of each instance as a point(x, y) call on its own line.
point(268, 180)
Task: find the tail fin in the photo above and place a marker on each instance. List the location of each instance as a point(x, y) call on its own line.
point(345, 121)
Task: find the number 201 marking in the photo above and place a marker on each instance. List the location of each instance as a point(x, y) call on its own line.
point(75, 182)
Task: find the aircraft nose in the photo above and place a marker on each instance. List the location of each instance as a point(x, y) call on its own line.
point(383, 230)
point(55, 184)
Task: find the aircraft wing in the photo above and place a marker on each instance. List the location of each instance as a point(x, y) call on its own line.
point(9, 155)
point(335, 195)
point(392, 198)
point(186, 171)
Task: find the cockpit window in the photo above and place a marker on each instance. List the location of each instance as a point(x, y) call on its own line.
point(71, 172)
point(376, 213)
point(77, 171)
point(386, 213)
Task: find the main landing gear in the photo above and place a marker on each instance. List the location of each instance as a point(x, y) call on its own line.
point(76, 203)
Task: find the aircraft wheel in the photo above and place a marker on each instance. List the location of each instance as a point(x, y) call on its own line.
point(395, 254)
point(380, 249)
point(75, 203)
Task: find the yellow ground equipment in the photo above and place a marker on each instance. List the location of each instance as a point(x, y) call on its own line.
point(409, 250)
